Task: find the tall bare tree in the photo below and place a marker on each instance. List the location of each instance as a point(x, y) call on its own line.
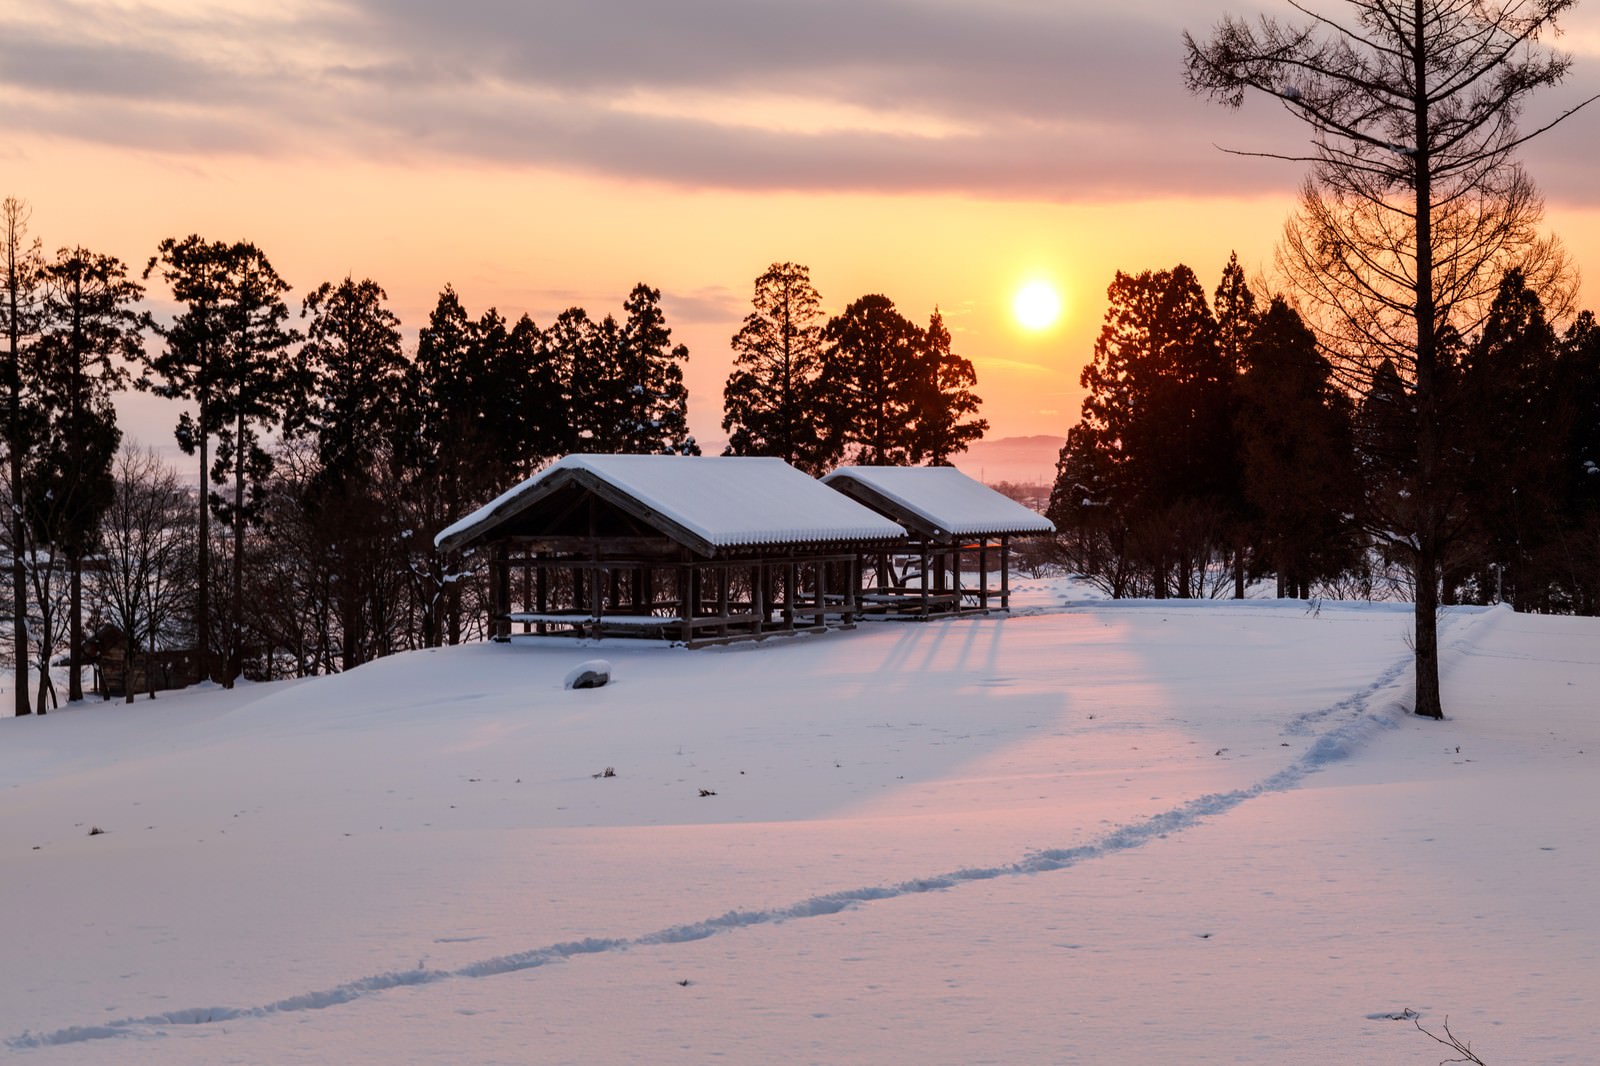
point(1415, 205)
point(19, 277)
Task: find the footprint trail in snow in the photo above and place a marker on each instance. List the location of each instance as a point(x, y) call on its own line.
point(1356, 722)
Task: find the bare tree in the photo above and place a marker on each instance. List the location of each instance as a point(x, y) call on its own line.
point(145, 580)
point(1414, 206)
point(19, 273)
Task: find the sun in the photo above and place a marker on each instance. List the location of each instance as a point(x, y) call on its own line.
point(1037, 305)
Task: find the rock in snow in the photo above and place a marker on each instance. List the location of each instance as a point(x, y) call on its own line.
point(591, 673)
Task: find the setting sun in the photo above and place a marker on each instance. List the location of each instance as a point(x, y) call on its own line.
point(1037, 305)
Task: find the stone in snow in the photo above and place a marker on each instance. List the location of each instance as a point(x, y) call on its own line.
point(591, 673)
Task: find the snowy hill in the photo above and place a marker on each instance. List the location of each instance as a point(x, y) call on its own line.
point(1103, 833)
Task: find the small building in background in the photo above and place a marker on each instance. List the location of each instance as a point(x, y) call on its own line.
point(959, 533)
point(696, 549)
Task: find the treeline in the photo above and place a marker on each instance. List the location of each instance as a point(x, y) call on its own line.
point(866, 386)
point(329, 457)
point(1219, 445)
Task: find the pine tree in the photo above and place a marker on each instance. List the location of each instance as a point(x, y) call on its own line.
point(1515, 421)
point(89, 330)
point(654, 402)
point(944, 398)
point(258, 385)
point(1234, 306)
point(773, 402)
point(1157, 417)
point(870, 368)
point(186, 368)
point(1296, 452)
point(353, 356)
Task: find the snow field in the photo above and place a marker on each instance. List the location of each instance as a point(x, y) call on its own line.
point(1105, 833)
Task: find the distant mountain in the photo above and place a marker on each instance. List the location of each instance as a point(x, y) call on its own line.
point(1023, 460)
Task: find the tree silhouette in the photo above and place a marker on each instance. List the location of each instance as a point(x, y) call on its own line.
point(773, 402)
point(1414, 207)
point(89, 330)
point(944, 398)
point(20, 260)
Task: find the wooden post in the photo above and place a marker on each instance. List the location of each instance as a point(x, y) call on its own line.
point(500, 605)
point(681, 582)
point(983, 572)
point(541, 594)
point(1005, 572)
point(955, 572)
point(722, 598)
point(791, 572)
point(758, 593)
point(527, 584)
point(821, 570)
point(927, 562)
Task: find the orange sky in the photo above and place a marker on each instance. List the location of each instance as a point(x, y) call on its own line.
point(532, 180)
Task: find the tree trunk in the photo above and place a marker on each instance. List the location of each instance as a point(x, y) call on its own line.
point(202, 609)
point(236, 607)
point(75, 632)
point(19, 570)
point(1428, 703)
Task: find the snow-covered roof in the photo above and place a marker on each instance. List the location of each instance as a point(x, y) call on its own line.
point(717, 501)
point(940, 500)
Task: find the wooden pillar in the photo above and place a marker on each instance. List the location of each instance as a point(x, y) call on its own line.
point(527, 584)
point(852, 603)
point(790, 573)
point(500, 595)
point(821, 570)
point(758, 593)
point(927, 564)
point(1005, 572)
point(983, 572)
point(722, 598)
point(955, 571)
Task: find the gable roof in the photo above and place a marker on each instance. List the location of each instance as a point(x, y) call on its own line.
point(711, 503)
point(937, 500)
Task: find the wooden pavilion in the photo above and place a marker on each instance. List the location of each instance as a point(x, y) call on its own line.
point(959, 531)
point(699, 550)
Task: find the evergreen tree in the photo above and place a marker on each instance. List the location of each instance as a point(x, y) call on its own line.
point(773, 402)
point(1234, 306)
point(89, 329)
point(944, 398)
point(1157, 419)
point(1579, 381)
point(537, 421)
point(258, 384)
point(352, 352)
point(1296, 452)
point(437, 444)
point(869, 374)
point(583, 352)
point(654, 402)
point(1515, 422)
point(186, 368)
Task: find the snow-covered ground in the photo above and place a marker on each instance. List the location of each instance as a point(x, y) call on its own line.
point(1088, 833)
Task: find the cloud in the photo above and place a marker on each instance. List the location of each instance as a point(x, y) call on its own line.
point(1018, 99)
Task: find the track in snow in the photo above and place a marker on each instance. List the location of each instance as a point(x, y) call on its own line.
point(1356, 721)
